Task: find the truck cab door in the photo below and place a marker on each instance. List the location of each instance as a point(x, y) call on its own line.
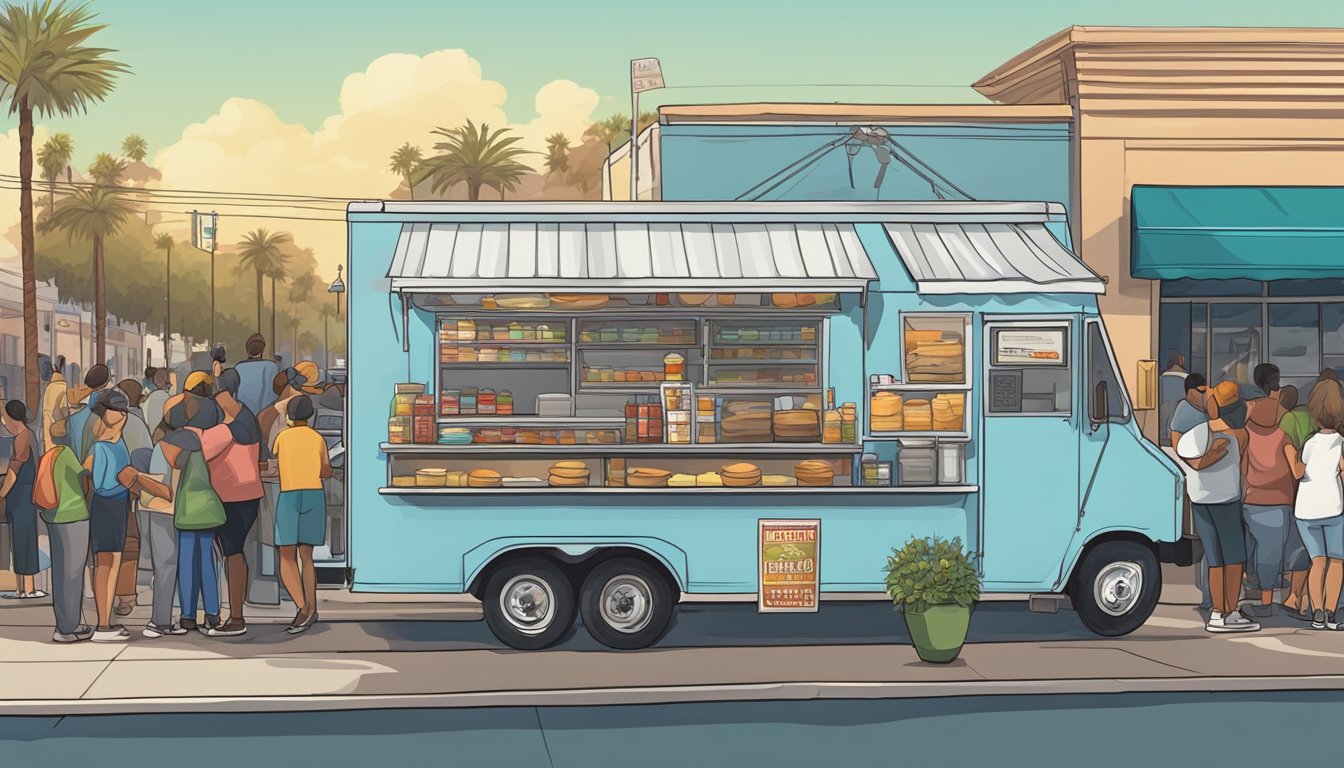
point(1032, 419)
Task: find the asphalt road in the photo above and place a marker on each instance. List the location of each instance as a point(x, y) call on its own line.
point(1116, 730)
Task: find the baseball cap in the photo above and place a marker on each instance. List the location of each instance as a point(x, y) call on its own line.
point(197, 378)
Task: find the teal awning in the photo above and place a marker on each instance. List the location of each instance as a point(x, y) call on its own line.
point(1257, 233)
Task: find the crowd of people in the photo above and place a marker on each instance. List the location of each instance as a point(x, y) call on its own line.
point(1263, 476)
point(114, 468)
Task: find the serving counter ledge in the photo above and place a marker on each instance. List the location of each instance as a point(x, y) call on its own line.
point(672, 490)
point(619, 449)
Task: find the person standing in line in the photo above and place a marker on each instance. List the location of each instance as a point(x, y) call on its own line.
point(232, 451)
point(1171, 387)
point(53, 399)
point(77, 431)
point(67, 520)
point(157, 398)
point(1319, 510)
point(1212, 466)
point(158, 502)
point(109, 508)
point(255, 375)
point(1270, 488)
point(197, 513)
point(301, 514)
point(1297, 426)
point(17, 491)
point(139, 446)
point(299, 381)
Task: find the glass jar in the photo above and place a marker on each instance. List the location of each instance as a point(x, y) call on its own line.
point(674, 366)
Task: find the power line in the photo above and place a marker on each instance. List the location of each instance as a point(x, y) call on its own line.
point(719, 86)
point(37, 183)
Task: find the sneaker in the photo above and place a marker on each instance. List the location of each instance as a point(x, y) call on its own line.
point(155, 631)
point(1232, 622)
point(187, 624)
point(84, 632)
point(1258, 610)
point(111, 635)
point(1330, 621)
point(73, 637)
point(211, 622)
point(124, 607)
point(231, 628)
point(1318, 619)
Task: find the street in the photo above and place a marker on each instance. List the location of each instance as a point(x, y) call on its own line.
point(1114, 730)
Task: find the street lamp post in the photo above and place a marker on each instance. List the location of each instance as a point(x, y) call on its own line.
point(337, 287)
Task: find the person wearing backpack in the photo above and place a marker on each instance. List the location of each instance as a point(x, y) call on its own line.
point(17, 490)
point(58, 493)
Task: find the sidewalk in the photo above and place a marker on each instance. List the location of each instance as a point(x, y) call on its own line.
point(400, 651)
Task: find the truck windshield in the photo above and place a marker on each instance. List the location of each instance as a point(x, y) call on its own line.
point(1100, 367)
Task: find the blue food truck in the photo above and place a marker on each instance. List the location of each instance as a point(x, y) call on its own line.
point(600, 410)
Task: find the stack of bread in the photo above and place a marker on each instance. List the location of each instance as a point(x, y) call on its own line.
point(934, 357)
point(885, 410)
point(814, 473)
point(778, 481)
point(569, 474)
point(949, 411)
point(484, 478)
point(797, 426)
point(647, 477)
point(709, 480)
point(918, 416)
point(616, 473)
point(681, 480)
point(741, 475)
point(431, 478)
point(746, 421)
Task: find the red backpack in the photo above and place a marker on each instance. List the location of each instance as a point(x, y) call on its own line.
point(44, 484)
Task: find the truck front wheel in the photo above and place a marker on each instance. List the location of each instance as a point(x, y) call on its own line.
point(1115, 587)
point(529, 603)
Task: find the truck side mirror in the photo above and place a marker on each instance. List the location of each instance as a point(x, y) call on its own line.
point(1100, 406)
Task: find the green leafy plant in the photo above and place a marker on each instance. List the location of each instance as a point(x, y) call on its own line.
point(931, 571)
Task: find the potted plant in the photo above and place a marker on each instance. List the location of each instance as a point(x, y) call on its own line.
point(933, 581)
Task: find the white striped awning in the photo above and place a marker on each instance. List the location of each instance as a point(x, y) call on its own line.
point(948, 258)
point(630, 257)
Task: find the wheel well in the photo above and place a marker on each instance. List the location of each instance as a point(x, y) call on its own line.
point(1107, 538)
point(576, 567)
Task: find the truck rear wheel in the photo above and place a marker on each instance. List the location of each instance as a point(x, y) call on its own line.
point(529, 604)
point(626, 604)
point(1115, 587)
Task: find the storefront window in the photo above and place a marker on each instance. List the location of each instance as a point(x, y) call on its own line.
point(1235, 343)
point(1295, 342)
point(1312, 287)
point(1332, 336)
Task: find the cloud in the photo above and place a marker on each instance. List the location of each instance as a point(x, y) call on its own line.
point(246, 146)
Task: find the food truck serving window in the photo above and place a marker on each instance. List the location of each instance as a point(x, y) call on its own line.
point(1029, 371)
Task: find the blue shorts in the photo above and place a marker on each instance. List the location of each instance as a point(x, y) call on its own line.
point(1221, 532)
point(301, 518)
point(1324, 537)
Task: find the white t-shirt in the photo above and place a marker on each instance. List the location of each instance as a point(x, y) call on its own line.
point(1320, 495)
point(1219, 483)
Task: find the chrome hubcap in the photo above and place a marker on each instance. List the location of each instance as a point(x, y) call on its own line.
point(528, 603)
point(1118, 587)
point(627, 603)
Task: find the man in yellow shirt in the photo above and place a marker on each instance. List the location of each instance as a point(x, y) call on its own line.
point(301, 512)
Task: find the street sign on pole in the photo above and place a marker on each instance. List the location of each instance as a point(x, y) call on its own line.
point(645, 75)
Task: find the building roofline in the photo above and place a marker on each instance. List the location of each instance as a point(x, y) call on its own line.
point(803, 112)
point(1049, 53)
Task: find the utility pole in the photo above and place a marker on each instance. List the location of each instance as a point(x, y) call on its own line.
point(214, 232)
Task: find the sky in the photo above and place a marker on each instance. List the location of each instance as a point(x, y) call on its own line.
point(311, 96)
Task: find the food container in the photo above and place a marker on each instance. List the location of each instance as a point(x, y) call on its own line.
point(431, 478)
point(423, 405)
point(555, 405)
point(674, 366)
point(516, 331)
point(951, 463)
point(504, 403)
point(467, 401)
point(486, 402)
point(449, 402)
point(423, 429)
point(403, 404)
point(917, 462)
point(466, 330)
point(399, 429)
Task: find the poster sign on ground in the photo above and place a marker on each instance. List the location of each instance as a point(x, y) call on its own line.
point(789, 566)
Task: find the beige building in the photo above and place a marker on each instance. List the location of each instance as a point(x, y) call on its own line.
point(1205, 108)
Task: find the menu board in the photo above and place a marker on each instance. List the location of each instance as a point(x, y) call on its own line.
point(789, 566)
point(1029, 346)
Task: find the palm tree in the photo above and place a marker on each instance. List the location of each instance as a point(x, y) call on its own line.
point(557, 153)
point(404, 162)
point(477, 157)
point(164, 242)
point(48, 71)
point(54, 158)
point(277, 275)
point(134, 147)
point(301, 288)
point(261, 253)
point(107, 170)
point(611, 131)
point(93, 214)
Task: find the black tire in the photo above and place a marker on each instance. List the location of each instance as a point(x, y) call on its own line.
point(639, 588)
point(1104, 594)
point(532, 578)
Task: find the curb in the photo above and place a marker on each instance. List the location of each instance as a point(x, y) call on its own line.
point(599, 697)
